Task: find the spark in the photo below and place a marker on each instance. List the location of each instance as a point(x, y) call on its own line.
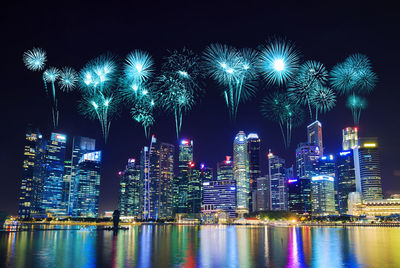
point(35, 59)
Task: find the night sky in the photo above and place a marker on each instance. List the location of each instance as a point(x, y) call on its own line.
point(73, 33)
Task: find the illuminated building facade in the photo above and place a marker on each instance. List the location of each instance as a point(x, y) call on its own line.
point(368, 170)
point(306, 157)
point(194, 196)
point(382, 207)
point(87, 183)
point(130, 190)
point(350, 138)
point(314, 135)
point(241, 170)
point(254, 146)
point(277, 182)
point(262, 199)
point(53, 181)
point(66, 188)
point(323, 195)
point(220, 195)
point(225, 169)
point(345, 178)
point(298, 201)
point(182, 180)
point(31, 182)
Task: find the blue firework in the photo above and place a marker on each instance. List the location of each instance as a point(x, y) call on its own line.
point(35, 59)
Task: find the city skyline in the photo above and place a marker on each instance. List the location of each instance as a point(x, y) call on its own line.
point(209, 117)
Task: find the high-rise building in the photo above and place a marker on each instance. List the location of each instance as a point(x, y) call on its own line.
point(254, 146)
point(225, 169)
point(345, 178)
point(350, 138)
point(80, 146)
point(314, 135)
point(157, 177)
point(241, 170)
point(277, 182)
point(53, 181)
point(181, 182)
point(323, 195)
point(66, 188)
point(206, 173)
point(30, 184)
point(87, 183)
point(220, 194)
point(194, 193)
point(306, 157)
point(368, 171)
point(130, 190)
point(262, 194)
point(298, 201)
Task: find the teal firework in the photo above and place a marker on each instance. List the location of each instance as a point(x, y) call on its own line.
point(35, 59)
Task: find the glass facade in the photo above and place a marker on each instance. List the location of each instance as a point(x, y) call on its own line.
point(130, 190)
point(345, 178)
point(220, 194)
point(241, 170)
point(277, 183)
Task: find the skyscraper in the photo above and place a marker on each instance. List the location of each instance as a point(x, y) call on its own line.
point(157, 178)
point(53, 182)
point(241, 170)
point(130, 190)
point(314, 135)
point(87, 183)
point(254, 146)
point(262, 194)
point(277, 182)
point(220, 194)
point(323, 186)
point(32, 155)
point(368, 171)
point(182, 180)
point(80, 146)
point(225, 169)
point(194, 195)
point(350, 138)
point(306, 156)
point(66, 188)
point(345, 178)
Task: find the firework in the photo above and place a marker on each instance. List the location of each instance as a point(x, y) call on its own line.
point(179, 87)
point(50, 76)
point(353, 76)
point(68, 79)
point(143, 113)
point(323, 99)
point(279, 60)
point(278, 107)
point(235, 70)
point(356, 105)
point(35, 59)
point(310, 76)
point(100, 99)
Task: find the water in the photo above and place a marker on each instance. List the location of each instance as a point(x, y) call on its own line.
point(203, 246)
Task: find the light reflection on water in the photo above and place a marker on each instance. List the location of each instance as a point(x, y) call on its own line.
point(204, 246)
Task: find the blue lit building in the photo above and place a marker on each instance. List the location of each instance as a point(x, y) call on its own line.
point(345, 179)
point(87, 183)
point(220, 195)
point(241, 170)
point(297, 200)
point(323, 195)
point(53, 181)
point(181, 182)
point(130, 190)
point(314, 135)
point(225, 169)
point(277, 183)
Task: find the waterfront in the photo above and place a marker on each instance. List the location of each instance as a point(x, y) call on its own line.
point(202, 246)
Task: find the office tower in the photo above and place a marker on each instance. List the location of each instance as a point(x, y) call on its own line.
point(182, 180)
point(262, 194)
point(241, 170)
point(306, 157)
point(206, 173)
point(277, 182)
point(220, 195)
point(296, 202)
point(350, 138)
point(157, 177)
point(66, 188)
point(368, 171)
point(130, 190)
point(254, 146)
point(323, 195)
point(314, 135)
point(80, 146)
point(345, 178)
point(30, 183)
point(53, 182)
point(194, 193)
point(225, 169)
point(87, 183)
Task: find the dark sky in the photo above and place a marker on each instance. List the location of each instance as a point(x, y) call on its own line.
point(73, 33)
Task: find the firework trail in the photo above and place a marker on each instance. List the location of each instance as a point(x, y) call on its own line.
point(323, 99)
point(235, 70)
point(356, 105)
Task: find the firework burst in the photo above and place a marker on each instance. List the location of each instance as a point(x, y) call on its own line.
point(279, 61)
point(278, 107)
point(356, 104)
point(68, 79)
point(35, 59)
point(143, 112)
point(235, 70)
point(323, 99)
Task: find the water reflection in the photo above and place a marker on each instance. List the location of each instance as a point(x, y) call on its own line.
point(202, 246)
